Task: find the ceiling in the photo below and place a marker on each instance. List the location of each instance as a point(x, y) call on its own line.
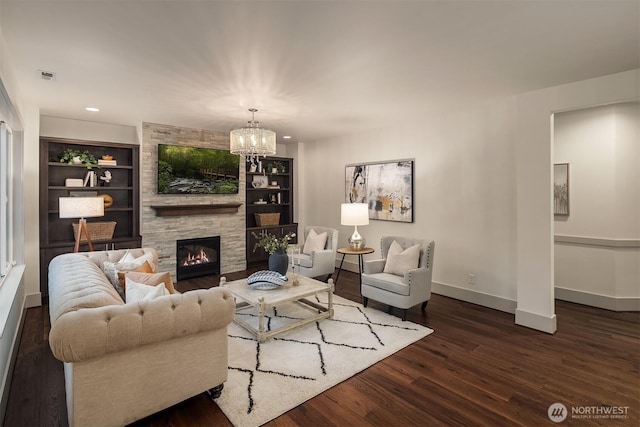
point(314, 69)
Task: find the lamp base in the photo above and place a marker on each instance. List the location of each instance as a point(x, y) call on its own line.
point(356, 244)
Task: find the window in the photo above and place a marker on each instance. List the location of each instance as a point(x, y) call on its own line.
point(6, 200)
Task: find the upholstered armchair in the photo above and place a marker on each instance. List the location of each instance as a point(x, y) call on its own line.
point(317, 256)
point(402, 277)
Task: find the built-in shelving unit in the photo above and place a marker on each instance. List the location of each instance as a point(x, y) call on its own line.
point(269, 191)
point(56, 234)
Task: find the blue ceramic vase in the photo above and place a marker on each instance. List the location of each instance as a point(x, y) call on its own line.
point(279, 261)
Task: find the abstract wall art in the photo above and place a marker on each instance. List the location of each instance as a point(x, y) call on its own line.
point(386, 187)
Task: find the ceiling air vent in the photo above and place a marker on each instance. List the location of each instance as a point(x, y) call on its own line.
point(47, 75)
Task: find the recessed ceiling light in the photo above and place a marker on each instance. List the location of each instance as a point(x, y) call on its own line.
point(286, 137)
point(92, 109)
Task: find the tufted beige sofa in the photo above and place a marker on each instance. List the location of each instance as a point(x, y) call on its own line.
point(123, 362)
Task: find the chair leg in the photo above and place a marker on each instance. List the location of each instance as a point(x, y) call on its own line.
point(365, 301)
point(404, 314)
point(424, 305)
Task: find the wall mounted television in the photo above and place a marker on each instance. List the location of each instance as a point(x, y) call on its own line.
point(191, 170)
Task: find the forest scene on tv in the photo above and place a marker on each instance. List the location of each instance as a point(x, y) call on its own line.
point(190, 170)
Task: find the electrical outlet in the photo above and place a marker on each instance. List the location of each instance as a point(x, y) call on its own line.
point(472, 278)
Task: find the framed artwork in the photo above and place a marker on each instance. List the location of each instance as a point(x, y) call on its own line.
point(260, 181)
point(386, 187)
point(561, 189)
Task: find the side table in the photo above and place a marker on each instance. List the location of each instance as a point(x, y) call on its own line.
point(360, 253)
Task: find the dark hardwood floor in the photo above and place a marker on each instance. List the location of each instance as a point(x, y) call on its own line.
point(478, 368)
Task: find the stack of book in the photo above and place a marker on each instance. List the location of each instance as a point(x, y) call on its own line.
point(102, 162)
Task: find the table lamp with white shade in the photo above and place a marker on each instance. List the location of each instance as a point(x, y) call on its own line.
point(355, 214)
point(81, 207)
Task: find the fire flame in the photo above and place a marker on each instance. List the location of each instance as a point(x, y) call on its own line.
point(195, 259)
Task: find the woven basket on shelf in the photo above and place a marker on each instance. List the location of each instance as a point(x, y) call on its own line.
point(97, 230)
point(263, 219)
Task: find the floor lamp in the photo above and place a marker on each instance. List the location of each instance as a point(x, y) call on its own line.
point(81, 207)
point(355, 214)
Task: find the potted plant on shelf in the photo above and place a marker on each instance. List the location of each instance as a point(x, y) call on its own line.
point(71, 156)
point(276, 167)
point(276, 247)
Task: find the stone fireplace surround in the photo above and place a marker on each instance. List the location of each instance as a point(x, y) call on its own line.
point(161, 232)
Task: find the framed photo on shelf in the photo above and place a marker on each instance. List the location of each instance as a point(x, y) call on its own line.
point(260, 181)
point(386, 187)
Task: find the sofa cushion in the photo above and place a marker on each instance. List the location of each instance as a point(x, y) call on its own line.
point(400, 260)
point(137, 259)
point(388, 282)
point(314, 242)
point(135, 291)
point(111, 270)
point(151, 279)
point(145, 268)
point(100, 257)
point(75, 283)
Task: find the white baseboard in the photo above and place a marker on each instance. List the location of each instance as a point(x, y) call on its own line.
point(474, 297)
point(33, 300)
point(596, 300)
point(536, 321)
point(350, 263)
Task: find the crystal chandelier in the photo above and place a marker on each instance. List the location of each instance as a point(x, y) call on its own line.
point(253, 141)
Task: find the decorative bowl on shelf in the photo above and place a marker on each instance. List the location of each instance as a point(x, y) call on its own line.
point(107, 157)
point(108, 200)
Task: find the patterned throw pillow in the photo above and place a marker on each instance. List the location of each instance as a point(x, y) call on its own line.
point(111, 270)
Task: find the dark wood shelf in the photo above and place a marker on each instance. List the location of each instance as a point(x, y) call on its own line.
point(67, 165)
point(284, 208)
point(56, 234)
point(103, 189)
point(178, 210)
point(56, 211)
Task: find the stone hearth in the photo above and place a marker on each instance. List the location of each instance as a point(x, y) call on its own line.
point(161, 232)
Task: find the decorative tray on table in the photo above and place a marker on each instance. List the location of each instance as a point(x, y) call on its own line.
point(265, 280)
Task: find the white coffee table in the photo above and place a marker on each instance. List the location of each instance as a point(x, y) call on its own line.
point(263, 300)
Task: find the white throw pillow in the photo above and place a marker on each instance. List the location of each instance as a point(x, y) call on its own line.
point(399, 260)
point(314, 242)
point(139, 292)
point(129, 258)
point(111, 270)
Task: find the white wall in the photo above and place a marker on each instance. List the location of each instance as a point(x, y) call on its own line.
point(534, 158)
point(464, 194)
point(87, 130)
point(482, 192)
point(602, 146)
point(12, 291)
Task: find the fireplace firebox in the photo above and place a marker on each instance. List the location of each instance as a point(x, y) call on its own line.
point(197, 257)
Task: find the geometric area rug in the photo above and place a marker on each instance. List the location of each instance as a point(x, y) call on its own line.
point(266, 380)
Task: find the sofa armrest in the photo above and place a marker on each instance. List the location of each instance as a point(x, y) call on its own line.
point(93, 332)
point(417, 276)
point(323, 257)
point(374, 266)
